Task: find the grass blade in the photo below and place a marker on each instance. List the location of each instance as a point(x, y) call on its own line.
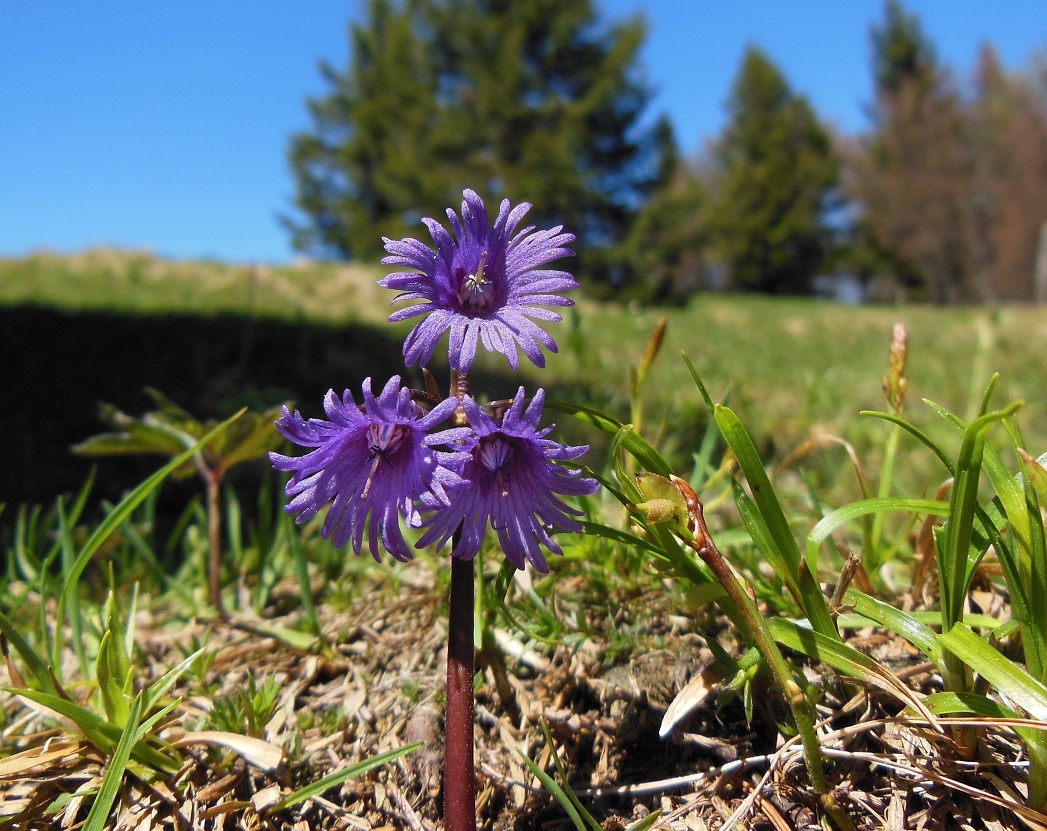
point(589, 820)
point(114, 772)
point(623, 537)
point(301, 569)
point(877, 505)
point(846, 659)
point(644, 452)
point(954, 555)
point(123, 510)
point(918, 634)
point(97, 730)
point(918, 434)
point(340, 776)
point(1027, 692)
point(774, 526)
point(557, 792)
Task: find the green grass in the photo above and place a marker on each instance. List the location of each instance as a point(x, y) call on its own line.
point(787, 366)
point(793, 371)
point(139, 283)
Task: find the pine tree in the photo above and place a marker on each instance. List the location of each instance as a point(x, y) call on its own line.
point(902, 54)
point(531, 99)
point(779, 174)
point(662, 258)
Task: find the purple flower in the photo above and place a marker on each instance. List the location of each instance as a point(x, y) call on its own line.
point(484, 285)
point(376, 463)
point(513, 483)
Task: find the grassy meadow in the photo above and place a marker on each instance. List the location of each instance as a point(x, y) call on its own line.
point(125, 695)
point(792, 368)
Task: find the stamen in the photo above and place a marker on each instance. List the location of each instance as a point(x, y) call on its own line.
point(383, 439)
point(479, 277)
point(474, 292)
point(370, 476)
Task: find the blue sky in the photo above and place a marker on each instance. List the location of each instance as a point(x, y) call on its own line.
point(164, 125)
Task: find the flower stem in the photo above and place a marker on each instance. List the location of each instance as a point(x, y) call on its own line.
point(459, 780)
point(802, 709)
point(214, 542)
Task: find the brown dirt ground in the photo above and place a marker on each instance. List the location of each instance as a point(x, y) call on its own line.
point(381, 687)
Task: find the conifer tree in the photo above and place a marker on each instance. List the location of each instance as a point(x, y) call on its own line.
point(663, 258)
point(902, 53)
point(778, 177)
point(529, 99)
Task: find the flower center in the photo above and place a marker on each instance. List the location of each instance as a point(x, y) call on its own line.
point(382, 439)
point(495, 453)
point(476, 292)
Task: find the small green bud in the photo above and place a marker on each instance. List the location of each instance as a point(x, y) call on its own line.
point(664, 502)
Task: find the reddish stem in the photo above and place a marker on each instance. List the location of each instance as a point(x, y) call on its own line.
point(213, 476)
point(459, 779)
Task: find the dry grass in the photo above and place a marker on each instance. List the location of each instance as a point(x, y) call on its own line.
point(631, 645)
point(381, 687)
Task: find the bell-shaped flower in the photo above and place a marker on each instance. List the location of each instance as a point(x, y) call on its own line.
point(514, 483)
point(371, 465)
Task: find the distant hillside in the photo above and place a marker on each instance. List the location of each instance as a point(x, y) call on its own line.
point(101, 325)
point(130, 281)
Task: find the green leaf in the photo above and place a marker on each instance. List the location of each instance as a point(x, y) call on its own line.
point(134, 435)
point(37, 666)
point(561, 770)
point(609, 485)
point(844, 658)
point(645, 824)
point(114, 773)
point(700, 384)
point(253, 437)
point(779, 533)
point(954, 553)
point(161, 685)
point(111, 673)
point(340, 776)
point(643, 451)
point(623, 537)
point(1037, 475)
point(123, 510)
point(920, 436)
point(76, 623)
point(919, 635)
point(557, 792)
point(776, 532)
point(760, 534)
point(1007, 487)
point(848, 513)
point(969, 704)
point(1010, 679)
point(301, 568)
point(1034, 630)
point(304, 641)
point(102, 734)
point(625, 479)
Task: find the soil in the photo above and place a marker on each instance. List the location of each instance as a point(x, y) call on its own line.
point(379, 686)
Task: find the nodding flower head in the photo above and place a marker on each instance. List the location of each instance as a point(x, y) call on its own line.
point(482, 284)
point(370, 466)
point(514, 484)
